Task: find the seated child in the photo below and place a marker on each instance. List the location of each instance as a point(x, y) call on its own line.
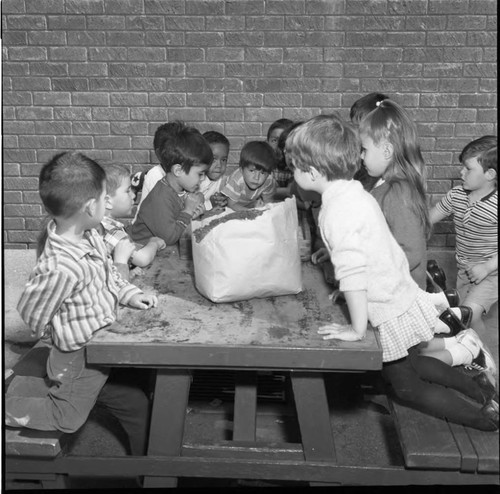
point(72, 293)
point(473, 205)
point(252, 184)
point(175, 200)
point(281, 173)
point(215, 179)
point(119, 202)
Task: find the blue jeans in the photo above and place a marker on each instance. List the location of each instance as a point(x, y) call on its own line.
point(74, 389)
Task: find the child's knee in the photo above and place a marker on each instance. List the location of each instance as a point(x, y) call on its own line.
point(68, 421)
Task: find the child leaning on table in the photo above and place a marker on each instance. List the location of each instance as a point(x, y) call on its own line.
point(72, 293)
point(474, 206)
point(373, 273)
point(175, 200)
point(119, 202)
point(252, 184)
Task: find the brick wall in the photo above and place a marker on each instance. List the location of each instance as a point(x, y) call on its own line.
point(100, 75)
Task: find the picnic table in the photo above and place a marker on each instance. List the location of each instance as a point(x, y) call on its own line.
point(186, 332)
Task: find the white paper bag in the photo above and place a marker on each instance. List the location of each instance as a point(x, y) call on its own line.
point(238, 259)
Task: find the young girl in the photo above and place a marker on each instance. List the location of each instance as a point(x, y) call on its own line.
point(374, 275)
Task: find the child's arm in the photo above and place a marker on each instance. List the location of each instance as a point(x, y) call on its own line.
point(435, 215)
point(234, 205)
point(121, 255)
point(478, 272)
point(358, 311)
point(144, 256)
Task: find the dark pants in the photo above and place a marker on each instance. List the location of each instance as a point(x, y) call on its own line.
point(433, 387)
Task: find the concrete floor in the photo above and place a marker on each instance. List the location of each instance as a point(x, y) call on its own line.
point(375, 442)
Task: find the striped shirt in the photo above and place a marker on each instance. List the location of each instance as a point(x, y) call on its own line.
point(476, 225)
point(238, 191)
point(73, 291)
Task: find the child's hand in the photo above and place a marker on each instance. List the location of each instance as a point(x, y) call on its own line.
point(123, 250)
point(339, 332)
point(218, 200)
point(199, 211)
point(143, 301)
point(477, 273)
point(160, 243)
point(137, 271)
point(321, 255)
point(192, 201)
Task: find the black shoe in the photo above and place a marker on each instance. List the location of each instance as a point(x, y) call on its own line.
point(488, 389)
point(465, 315)
point(452, 321)
point(452, 296)
point(490, 411)
point(436, 274)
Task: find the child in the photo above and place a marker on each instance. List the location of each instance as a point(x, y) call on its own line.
point(119, 202)
point(252, 184)
point(215, 179)
point(72, 293)
point(391, 154)
point(281, 173)
point(374, 276)
point(359, 110)
point(167, 210)
point(275, 130)
point(474, 208)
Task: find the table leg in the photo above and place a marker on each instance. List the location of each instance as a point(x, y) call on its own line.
point(167, 419)
point(245, 407)
point(313, 416)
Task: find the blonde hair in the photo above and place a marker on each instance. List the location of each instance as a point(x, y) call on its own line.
point(327, 143)
point(390, 122)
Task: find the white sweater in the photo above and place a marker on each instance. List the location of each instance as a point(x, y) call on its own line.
point(363, 251)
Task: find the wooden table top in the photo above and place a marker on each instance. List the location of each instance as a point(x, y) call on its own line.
point(189, 331)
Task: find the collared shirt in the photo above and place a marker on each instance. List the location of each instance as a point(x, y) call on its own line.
point(238, 191)
point(73, 291)
point(113, 232)
point(476, 224)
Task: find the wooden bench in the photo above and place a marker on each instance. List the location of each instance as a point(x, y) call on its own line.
point(43, 446)
point(429, 443)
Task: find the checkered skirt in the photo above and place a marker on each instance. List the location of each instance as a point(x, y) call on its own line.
point(409, 329)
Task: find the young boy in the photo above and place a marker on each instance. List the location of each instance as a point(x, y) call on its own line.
point(215, 179)
point(475, 215)
point(72, 293)
point(167, 210)
point(252, 184)
point(119, 202)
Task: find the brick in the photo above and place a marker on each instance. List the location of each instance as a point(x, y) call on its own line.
point(106, 23)
point(51, 99)
point(244, 99)
point(304, 23)
point(19, 183)
point(424, 54)
point(225, 23)
point(185, 55)
point(482, 6)
point(124, 38)
point(283, 39)
point(244, 69)
point(454, 144)
point(162, 7)
point(167, 99)
point(10, 142)
point(128, 7)
point(129, 69)
point(150, 114)
point(442, 69)
point(402, 70)
point(204, 39)
point(108, 84)
point(191, 85)
point(344, 23)
point(458, 85)
point(245, 128)
point(435, 129)
point(289, 7)
point(141, 142)
point(25, 53)
point(303, 55)
point(17, 99)
point(13, 224)
point(81, 38)
point(448, 7)
point(457, 115)
point(130, 99)
point(88, 69)
point(340, 84)
point(184, 23)
point(282, 100)
point(332, 100)
point(477, 100)
point(66, 22)
point(13, 7)
point(426, 23)
point(23, 236)
point(74, 142)
point(225, 54)
point(31, 170)
point(480, 69)
point(109, 114)
point(366, 39)
point(147, 54)
point(423, 114)
point(244, 38)
point(15, 68)
point(321, 7)
point(300, 84)
point(9, 112)
point(427, 143)
point(70, 84)
point(26, 22)
point(439, 100)
point(361, 70)
point(299, 114)
point(147, 84)
point(462, 54)
point(384, 23)
point(384, 55)
point(244, 7)
point(366, 7)
point(438, 158)
point(283, 70)
point(438, 186)
point(466, 22)
point(263, 85)
point(48, 68)
point(73, 53)
point(449, 171)
point(34, 224)
point(474, 129)
point(85, 6)
point(205, 70)
point(225, 114)
point(343, 54)
point(482, 38)
point(166, 70)
point(324, 38)
point(205, 99)
point(35, 113)
point(114, 54)
point(130, 156)
point(53, 128)
point(13, 38)
point(31, 84)
point(11, 170)
point(448, 38)
point(488, 115)
point(262, 114)
point(112, 142)
point(265, 23)
point(90, 128)
point(264, 55)
point(47, 38)
point(406, 39)
point(36, 141)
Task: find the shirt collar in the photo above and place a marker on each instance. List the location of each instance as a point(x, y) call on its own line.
point(77, 251)
point(111, 223)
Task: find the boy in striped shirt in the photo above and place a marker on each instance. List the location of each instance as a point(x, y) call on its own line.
point(475, 216)
point(72, 293)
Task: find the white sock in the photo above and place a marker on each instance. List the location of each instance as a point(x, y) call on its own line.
point(460, 355)
point(449, 342)
point(441, 327)
point(439, 300)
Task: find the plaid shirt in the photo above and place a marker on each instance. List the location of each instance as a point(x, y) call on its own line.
point(73, 291)
point(113, 232)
